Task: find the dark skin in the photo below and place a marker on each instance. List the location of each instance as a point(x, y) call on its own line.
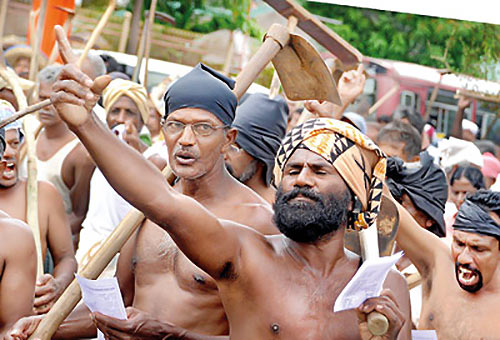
point(241, 260)
point(54, 226)
point(152, 272)
point(18, 271)
point(77, 167)
point(452, 311)
point(240, 161)
point(456, 129)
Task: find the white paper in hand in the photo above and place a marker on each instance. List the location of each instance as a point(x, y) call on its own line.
point(103, 296)
point(424, 335)
point(366, 283)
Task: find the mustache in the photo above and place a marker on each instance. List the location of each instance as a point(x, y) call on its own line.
point(189, 149)
point(303, 191)
point(468, 267)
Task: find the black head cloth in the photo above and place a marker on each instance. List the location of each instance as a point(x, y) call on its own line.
point(425, 183)
point(203, 88)
point(261, 123)
point(473, 215)
point(2, 142)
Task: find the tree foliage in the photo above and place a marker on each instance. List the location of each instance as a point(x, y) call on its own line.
point(206, 16)
point(463, 46)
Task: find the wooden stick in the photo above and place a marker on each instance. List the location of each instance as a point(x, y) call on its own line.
point(125, 31)
point(37, 35)
point(97, 31)
point(27, 110)
point(228, 60)
point(149, 35)
point(32, 187)
point(140, 53)
point(3, 15)
point(384, 98)
point(274, 89)
point(98, 262)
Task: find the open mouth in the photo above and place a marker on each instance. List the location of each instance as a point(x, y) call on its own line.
point(10, 170)
point(185, 158)
point(466, 276)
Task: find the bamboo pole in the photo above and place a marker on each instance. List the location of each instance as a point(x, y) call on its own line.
point(97, 31)
point(384, 98)
point(98, 262)
point(125, 31)
point(37, 36)
point(3, 15)
point(151, 21)
point(32, 187)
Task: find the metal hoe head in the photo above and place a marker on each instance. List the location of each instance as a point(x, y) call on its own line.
point(303, 73)
point(387, 228)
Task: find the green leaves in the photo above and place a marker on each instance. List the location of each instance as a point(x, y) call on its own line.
point(466, 47)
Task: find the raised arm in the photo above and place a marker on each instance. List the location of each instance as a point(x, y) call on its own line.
point(421, 246)
point(197, 232)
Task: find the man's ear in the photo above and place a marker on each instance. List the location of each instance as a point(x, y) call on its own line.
point(230, 139)
point(428, 223)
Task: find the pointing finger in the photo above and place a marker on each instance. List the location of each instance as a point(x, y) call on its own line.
point(65, 50)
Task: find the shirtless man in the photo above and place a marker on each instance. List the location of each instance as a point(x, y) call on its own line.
point(54, 226)
point(17, 268)
point(460, 286)
point(272, 287)
point(61, 158)
point(152, 272)
point(261, 123)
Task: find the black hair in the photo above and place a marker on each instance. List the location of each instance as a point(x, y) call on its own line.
point(473, 175)
point(401, 132)
point(486, 146)
point(384, 119)
point(415, 119)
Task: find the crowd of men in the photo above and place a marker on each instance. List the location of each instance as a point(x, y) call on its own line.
point(248, 242)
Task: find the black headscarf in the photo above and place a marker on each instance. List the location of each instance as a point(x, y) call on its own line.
point(203, 88)
point(261, 123)
point(2, 142)
point(473, 215)
point(424, 183)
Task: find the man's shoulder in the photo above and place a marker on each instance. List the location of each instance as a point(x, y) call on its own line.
point(12, 229)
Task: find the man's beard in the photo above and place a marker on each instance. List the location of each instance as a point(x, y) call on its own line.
point(309, 222)
point(470, 288)
point(248, 173)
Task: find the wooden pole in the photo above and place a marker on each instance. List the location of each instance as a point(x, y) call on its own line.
point(228, 60)
point(384, 98)
point(3, 15)
point(151, 21)
point(274, 89)
point(125, 31)
point(97, 263)
point(140, 53)
point(32, 188)
point(97, 31)
point(37, 36)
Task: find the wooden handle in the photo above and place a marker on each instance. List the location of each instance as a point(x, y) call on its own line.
point(21, 113)
point(274, 89)
point(377, 323)
point(109, 248)
point(275, 40)
point(97, 32)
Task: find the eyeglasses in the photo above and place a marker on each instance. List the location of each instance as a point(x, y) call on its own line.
point(200, 129)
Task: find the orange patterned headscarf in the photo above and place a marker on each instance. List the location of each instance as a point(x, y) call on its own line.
point(357, 159)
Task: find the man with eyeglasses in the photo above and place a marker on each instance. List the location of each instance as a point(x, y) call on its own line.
point(154, 275)
point(261, 123)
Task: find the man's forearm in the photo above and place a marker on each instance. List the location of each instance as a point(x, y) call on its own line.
point(64, 272)
point(77, 325)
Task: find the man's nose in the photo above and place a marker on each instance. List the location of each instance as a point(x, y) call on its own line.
point(121, 118)
point(465, 257)
point(187, 136)
point(304, 178)
point(9, 152)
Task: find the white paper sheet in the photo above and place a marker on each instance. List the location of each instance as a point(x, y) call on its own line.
point(424, 335)
point(366, 283)
point(103, 296)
